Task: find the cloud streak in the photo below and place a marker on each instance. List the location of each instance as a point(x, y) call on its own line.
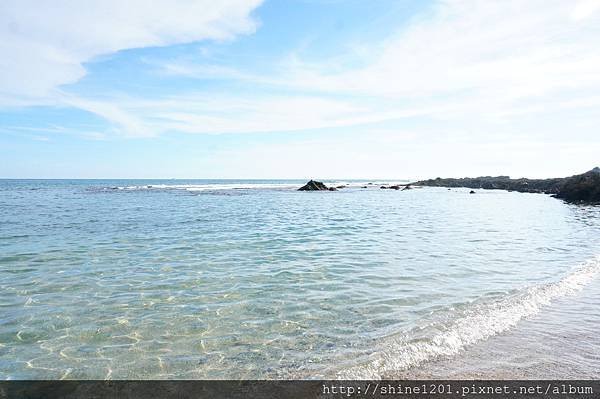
point(44, 44)
point(485, 65)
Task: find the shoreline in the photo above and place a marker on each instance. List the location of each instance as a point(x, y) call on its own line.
point(555, 343)
point(461, 344)
point(377, 263)
point(582, 188)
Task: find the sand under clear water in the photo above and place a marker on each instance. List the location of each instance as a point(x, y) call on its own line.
point(252, 279)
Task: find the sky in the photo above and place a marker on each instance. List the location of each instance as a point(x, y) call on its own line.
point(298, 88)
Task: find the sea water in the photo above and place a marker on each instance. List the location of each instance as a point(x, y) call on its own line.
point(252, 279)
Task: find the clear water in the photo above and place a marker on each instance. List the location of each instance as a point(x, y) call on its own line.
point(561, 341)
point(252, 279)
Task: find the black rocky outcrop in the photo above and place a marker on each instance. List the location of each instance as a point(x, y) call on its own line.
point(583, 188)
point(314, 185)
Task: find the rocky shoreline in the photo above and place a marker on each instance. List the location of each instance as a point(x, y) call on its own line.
point(583, 188)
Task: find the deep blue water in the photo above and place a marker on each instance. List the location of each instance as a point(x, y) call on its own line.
point(252, 279)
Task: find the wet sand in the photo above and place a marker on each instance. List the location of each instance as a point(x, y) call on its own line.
point(560, 342)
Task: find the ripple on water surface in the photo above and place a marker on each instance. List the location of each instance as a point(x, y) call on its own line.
point(150, 283)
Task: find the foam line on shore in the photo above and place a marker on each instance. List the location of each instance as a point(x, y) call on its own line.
point(475, 324)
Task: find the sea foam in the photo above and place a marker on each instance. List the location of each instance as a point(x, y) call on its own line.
point(204, 187)
point(473, 325)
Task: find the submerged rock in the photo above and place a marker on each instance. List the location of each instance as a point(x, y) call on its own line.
point(471, 192)
point(313, 185)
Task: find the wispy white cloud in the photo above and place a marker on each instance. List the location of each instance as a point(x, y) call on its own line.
point(461, 59)
point(44, 44)
point(483, 64)
point(45, 132)
point(202, 113)
point(123, 122)
point(467, 50)
point(585, 9)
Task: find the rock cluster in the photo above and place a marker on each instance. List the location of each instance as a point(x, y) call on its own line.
point(581, 188)
point(314, 185)
point(394, 187)
point(584, 188)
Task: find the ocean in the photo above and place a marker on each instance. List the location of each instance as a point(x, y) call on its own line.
point(214, 279)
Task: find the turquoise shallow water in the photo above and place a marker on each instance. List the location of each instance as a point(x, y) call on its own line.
point(252, 279)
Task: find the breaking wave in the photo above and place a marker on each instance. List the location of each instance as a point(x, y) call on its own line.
point(201, 187)
point(475, 324)
point(239, 186)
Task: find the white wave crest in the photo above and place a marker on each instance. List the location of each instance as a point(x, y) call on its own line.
point(207, 187)
point(240, 186)
point(476, 324)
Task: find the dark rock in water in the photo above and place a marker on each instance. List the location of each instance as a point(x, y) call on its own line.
point(313, 185)
point(407, 187)
point(383, 187)
point(364, 187)
point(342, 186)
point(332, 189)
point(471, 192)
point(395, 187)
point(583, 188)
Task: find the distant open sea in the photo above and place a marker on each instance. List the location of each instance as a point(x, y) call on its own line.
point(245, 279)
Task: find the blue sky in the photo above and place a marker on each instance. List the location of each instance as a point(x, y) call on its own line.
point(298, 89)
